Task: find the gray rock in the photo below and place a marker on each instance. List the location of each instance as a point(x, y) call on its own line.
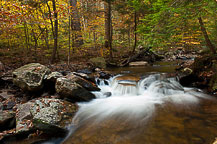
point(5, 95)
point(7, 119)
point(85, 71)
point(107, 94)
point(90, 86)
point(69, 89)
point(30, 77)
point(54, 76)
point(104, 75)
point(9, 105)
point(1, 106)
point(52, 114)
point(1, 66)
point(24, 118)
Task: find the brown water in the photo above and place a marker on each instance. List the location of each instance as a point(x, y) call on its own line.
point(161, 66)
point(171, 124)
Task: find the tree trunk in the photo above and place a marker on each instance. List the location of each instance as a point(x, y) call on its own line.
point(26, 36)
point(46, 38)
point(129, 36)
point(135, 34)
point(108, 29)
point(75, 24)
point(69, 35)
point(55, 32)
point(208, 42)
point(35, 40)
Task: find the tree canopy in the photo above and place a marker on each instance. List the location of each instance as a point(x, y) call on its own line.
point(57, 29)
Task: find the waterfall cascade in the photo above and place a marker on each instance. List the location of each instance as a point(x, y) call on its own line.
point(141, 110)
point(132, 98)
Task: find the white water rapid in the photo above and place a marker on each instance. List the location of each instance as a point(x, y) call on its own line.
point(133, 100)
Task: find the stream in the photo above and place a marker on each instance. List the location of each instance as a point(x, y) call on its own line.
point(150, 110)
point(144, 106)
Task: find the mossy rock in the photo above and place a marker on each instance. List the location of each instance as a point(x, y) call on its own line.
point(51, 115)
point(98, 62)
point(213, 83)
point(72, 91)
point(30, 77)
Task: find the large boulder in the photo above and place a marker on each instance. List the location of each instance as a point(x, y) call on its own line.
point(71, 90)
point(30, 77)
point(7, 120)
point(52, 115)
point(90, 86)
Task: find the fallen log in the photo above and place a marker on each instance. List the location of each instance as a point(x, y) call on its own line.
point(140, 56)
point(132, 58)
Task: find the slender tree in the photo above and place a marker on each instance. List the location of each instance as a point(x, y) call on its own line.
point(208, 42)
point(108, 28)
point(55, 32)
point(75, 24)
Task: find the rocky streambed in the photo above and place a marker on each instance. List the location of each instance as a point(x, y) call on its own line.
point(37, 102)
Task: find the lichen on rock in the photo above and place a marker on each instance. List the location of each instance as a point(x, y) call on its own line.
point(30, 77)
point(52, 114)
point(69, 89)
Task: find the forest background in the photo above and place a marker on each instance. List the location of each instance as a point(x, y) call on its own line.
point(49, 31)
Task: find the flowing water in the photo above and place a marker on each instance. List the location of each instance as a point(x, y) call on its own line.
point(151, 109)
point(142, 107)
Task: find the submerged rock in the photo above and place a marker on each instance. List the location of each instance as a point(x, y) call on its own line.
point(30, 77)
point(107, 94)
point(139, 63)
point(104, 75)
point(51, 115)
point(7, 120)
point(69, 89)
